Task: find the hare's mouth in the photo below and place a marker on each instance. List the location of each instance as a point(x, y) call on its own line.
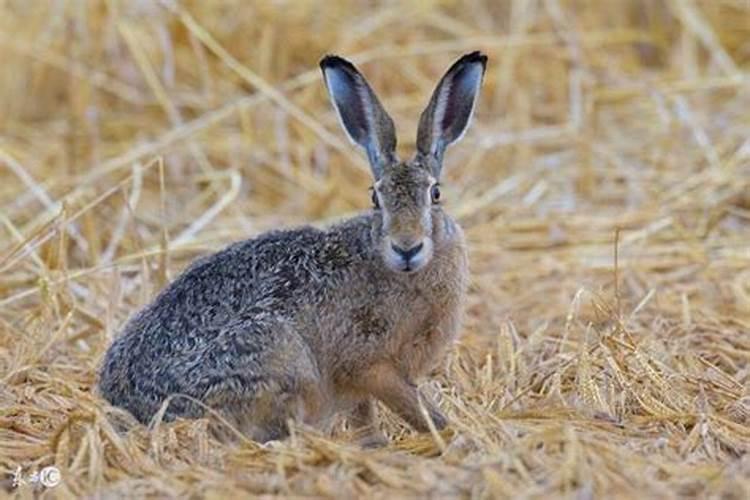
point(409, 268)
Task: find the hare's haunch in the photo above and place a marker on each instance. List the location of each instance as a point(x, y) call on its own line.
point(303, 323)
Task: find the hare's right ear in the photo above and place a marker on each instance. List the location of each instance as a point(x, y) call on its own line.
point(362, 116)
point(448, 114)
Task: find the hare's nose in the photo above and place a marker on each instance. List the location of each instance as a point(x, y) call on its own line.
point(407, 253)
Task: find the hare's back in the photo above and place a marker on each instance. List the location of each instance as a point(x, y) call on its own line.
point(276, 271)
point(266, 271)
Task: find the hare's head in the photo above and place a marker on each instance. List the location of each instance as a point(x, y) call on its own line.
point(409, 222)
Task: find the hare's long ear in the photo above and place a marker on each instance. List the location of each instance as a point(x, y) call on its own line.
point(449, 112)
point(360, 112)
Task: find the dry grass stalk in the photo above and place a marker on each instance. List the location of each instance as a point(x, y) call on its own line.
point(137, 135)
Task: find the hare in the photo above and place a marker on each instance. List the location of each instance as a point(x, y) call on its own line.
point(305, 323)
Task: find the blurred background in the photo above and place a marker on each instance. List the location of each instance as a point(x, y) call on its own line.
point(136, 135)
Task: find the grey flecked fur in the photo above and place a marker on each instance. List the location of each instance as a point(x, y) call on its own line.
point(304, 323)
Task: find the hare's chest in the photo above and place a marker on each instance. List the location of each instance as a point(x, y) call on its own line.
point(419, 343)
point(432, 323)
point(445, 285)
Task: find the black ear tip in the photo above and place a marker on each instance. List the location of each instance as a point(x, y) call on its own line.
point(334, 61)
point(473, 58)
point(467, 60)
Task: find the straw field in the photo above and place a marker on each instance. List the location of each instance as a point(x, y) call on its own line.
point(604, 188)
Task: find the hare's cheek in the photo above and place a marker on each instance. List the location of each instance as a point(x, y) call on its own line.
point(377, 232)
point(427, 222)
point(443, 228)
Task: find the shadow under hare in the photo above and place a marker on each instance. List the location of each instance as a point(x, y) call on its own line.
point(305, 323)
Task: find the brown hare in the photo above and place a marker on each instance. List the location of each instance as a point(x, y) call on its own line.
point(305, 323)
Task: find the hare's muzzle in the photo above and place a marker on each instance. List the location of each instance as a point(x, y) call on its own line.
point(408, 256)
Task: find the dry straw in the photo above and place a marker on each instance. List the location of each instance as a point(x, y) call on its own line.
point(136, 135)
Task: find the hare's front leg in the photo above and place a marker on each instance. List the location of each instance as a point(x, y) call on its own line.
point(363, 421)
point(399, 394)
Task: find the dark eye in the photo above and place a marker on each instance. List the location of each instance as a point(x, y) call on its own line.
point(435, 193)
point(375, 200)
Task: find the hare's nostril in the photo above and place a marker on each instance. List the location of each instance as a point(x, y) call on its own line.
point(407, 254)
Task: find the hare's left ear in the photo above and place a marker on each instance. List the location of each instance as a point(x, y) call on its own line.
point(449, 112)
point(362, 116)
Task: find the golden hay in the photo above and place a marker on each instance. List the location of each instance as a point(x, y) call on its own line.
point(136, 135)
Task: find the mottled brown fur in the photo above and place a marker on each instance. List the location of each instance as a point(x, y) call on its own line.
point(304, 323)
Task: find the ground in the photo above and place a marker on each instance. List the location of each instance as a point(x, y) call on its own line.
point(604, 189)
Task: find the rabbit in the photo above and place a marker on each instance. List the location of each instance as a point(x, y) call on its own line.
point(303, 324)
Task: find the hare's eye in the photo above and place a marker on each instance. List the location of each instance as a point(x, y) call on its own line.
point(435, 193)
point(375, 200)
